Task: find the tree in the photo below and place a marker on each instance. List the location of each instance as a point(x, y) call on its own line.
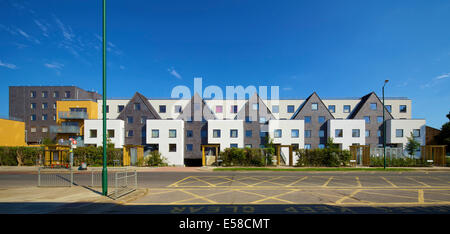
point(330, 144)
point(443, 138)
point(412, 146)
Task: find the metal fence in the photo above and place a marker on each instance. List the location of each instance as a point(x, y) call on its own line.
point(390, 152)
point(121, 181)
point(50, 177)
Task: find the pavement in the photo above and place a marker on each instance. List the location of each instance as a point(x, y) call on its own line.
point(181, 190)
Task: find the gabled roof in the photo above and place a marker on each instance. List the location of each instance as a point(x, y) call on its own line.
point(139, 98)
point(300, 108)
point(189, 110)
point(363, 102)
point(254, 99)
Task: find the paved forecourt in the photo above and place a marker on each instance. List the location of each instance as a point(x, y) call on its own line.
point(337, 189)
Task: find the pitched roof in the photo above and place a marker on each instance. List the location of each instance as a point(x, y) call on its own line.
point(300, 108)
point(363, 102)
point(254, 99)
point(139, 98)
point(190, 110)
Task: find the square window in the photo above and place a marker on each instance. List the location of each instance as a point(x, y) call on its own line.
point(33, 106)
point(339, 133)
point(275, 109)
point(56, 94)
point(379, 133)
point(177, 109)
point(129, 119)
point(307, 146)
point(307, 133)
point(143, 119)
point(33, 117)
point(44, 94)
point(402, 108)
point(373, 106)
point(321, 133)
point(290, 109)
point(219, 109)
point(248, 119)
point(33, 94)
point(67, 94)
point(189, 133)
point(307, 119)
point(130, 133)
point(248, 146)
point(172, 147)
point(93, 133)
point(233, 133)
point(54, 106)
point(33, 129)
point(321, 146)
point(314, 106)
point(295, 133)
point(172, 133)
point(263, 134)
point(189, 147)
point(255, 106)
point(216, 133)
point(204, 133)
point(332, 108)
point(379, 119)
point(347, 108)
point(399, 132)
point(44, 117)
point(367, 133)
point(137, 106)
point(367, 119)
point(355, 132)
point(321, 119)
point(162, 109)
point(233, 145)
point(277, 133)
point(120, 108)
point(155, 133)
point(44, 106)
point(295, 146)
point(416, 132)
point(111, 133)
point(44, 129)
point(262, 120)
point(248, 133)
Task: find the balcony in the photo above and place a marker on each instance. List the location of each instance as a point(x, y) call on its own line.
point(72, 115)
point(64, 129)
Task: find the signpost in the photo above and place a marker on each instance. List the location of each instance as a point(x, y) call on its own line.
point(104, 170)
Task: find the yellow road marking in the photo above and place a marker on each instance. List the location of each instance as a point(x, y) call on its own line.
point(358, 182)
point(202, 197)
point(206, 182)
point(275, 198)
point(347, 197)
point(269, 181)
point(426, 185)
point(301, 179)
point(197, 196)
point(174, 184)
point(420, 196)
point(389, 182)
point(328, 181)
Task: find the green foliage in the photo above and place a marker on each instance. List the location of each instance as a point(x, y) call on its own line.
point(443, 138)
point(155, 159)
point(20, 156)
point(328, 157)
point(243, 157)
point(412, 146)
point(93, 156)
point(398, 162)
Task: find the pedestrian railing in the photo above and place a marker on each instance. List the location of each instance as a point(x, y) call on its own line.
point(51, 177)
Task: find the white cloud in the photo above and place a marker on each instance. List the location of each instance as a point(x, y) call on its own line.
point(41, 26)
point(66, 30)
point(435, 80)
point(7, 65)
point(443, 76)
point(174, 73)
point(55, 66)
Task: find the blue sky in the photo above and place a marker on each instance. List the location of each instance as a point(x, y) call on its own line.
point(336, 48)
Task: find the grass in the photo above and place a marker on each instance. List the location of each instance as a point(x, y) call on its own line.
point(310, 169)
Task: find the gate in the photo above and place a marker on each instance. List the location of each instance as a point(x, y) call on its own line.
point(434, 154)
point(360, 155)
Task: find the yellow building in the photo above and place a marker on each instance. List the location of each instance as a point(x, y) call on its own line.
point(70, 116)
point(12, 133)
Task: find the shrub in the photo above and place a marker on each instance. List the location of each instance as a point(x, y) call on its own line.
point(398, 162)
point(93, 156)
point(243, 157)
point(155, 159)
point(328, 157)
point(20, 156)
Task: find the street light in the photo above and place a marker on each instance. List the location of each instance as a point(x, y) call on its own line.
point(384, 129)
point(104, 170)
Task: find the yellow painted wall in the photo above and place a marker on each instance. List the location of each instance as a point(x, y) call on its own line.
point(91, 108)
point(12, 133)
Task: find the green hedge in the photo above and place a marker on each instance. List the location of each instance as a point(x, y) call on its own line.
point(20, 156)
point(328, 157)
point(245, 157)
point(155, 159)
point(93, 156)
point(398, 162)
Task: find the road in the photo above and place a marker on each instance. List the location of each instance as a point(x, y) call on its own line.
point(276, 192)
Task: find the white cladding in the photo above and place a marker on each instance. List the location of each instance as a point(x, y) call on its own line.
point(169, 137)
point(404, 126)
point(96, 125)
point(287, 132)
point(353, 131)
point(226, 139)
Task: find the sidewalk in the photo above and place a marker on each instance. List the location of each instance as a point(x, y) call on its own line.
point(32, 169)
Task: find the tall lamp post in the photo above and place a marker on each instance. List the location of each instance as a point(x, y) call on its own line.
point(384, 129)
point(104, 170)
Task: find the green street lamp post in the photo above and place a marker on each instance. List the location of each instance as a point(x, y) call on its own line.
point(384, 129)
point(105, 170)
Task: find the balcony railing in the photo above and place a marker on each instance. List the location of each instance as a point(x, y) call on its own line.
point(72, 115)
point(64, 129)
